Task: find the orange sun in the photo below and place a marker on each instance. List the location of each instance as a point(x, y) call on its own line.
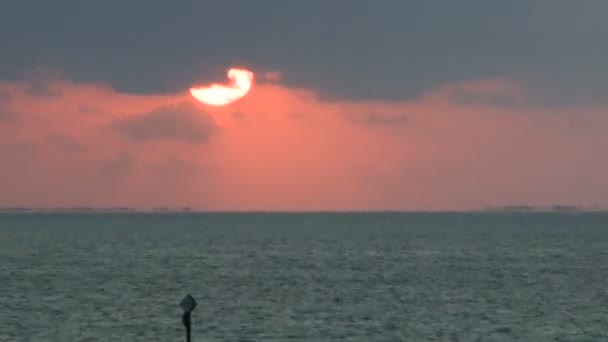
point(241, 81)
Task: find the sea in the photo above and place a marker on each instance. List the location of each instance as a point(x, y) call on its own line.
point(484, 276)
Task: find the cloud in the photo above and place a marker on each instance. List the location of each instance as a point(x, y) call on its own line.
point(84, 109)
point(494, 99)
point(5, 96)
point(117, 165)
point(378, 119)
point(493, 93)
point(271, 76)
point(66, 143)
point(286, 148)
point(40, 82)
point(17, 148)
point(555, 49)
point(7, 113)
point(567, 88)
point(183, 122)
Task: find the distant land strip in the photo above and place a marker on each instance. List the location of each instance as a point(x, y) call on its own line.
point(186, 209)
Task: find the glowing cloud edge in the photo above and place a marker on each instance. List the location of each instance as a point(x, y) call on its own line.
point(241, 81)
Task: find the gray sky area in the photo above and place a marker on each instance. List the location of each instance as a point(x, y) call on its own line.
point(358, 49)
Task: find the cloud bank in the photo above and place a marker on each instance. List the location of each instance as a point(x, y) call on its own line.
point(180, 122)
point(459, 146)
point(395, 50)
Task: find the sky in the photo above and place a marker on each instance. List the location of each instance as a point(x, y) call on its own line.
point(356, 105)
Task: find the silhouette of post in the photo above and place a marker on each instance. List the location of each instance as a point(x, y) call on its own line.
point(188, 304)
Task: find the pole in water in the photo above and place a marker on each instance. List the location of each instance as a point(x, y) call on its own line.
point(188, 304)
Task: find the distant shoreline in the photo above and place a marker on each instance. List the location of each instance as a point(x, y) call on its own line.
point(188, 210)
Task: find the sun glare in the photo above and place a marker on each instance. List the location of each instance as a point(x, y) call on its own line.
point(215, 94)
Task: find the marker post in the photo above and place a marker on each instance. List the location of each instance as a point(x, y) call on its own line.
point(188, 304)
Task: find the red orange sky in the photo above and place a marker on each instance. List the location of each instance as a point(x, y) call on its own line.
point(285, 148)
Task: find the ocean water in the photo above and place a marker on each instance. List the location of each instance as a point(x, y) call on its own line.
point(305, 277)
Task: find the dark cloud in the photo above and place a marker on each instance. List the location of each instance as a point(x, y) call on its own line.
point(39, 82)
point(568, 87)
point(17, 148)
point(467, 98)
point(66, 143)
point(178, 167)
point(118, 165)
point(377, 119)
point(5, 96)
point(84, 109)
point(360, 50)
point(183, 122)
point(7, 112)
point(41, 89)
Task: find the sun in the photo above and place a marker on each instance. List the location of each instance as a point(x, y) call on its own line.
point(241, 81)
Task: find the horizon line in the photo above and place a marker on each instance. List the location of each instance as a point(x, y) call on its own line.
point(190, 210)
